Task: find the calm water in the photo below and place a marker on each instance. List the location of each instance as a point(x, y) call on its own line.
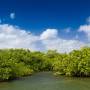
point(46, 81)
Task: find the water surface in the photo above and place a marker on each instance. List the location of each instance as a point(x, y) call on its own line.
point(46, 81)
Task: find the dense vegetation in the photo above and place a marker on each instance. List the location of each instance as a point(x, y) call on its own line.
point(16, 63)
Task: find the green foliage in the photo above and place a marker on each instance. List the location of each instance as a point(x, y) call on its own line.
point(16, 63)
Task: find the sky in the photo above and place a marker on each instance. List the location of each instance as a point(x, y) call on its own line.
point(40, 25)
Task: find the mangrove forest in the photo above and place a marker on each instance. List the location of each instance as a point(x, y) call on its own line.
point(16, 63)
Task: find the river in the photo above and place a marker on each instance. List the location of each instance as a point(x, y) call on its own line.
point(47, 81)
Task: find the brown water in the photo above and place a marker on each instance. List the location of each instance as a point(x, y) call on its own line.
point(46, 81)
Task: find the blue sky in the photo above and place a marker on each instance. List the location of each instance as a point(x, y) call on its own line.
point(42, 14)
point(71, 18)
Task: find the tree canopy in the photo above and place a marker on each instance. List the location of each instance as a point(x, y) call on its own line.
point(16, 63)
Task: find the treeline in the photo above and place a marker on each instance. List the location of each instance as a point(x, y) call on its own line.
point(16, 63)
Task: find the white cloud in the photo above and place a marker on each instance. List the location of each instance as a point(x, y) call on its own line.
point(49, 34)
point(14, 37)
point(12, 15)
point(86, 30)
point(61, 45)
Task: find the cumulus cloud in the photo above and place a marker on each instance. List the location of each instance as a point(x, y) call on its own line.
point(14, 37)
point(49, 34)
point(63, 45)
point(85, 29)
point(12, 15)
point(54, 42)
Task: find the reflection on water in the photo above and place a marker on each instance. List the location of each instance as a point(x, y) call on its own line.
point(46, 81)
